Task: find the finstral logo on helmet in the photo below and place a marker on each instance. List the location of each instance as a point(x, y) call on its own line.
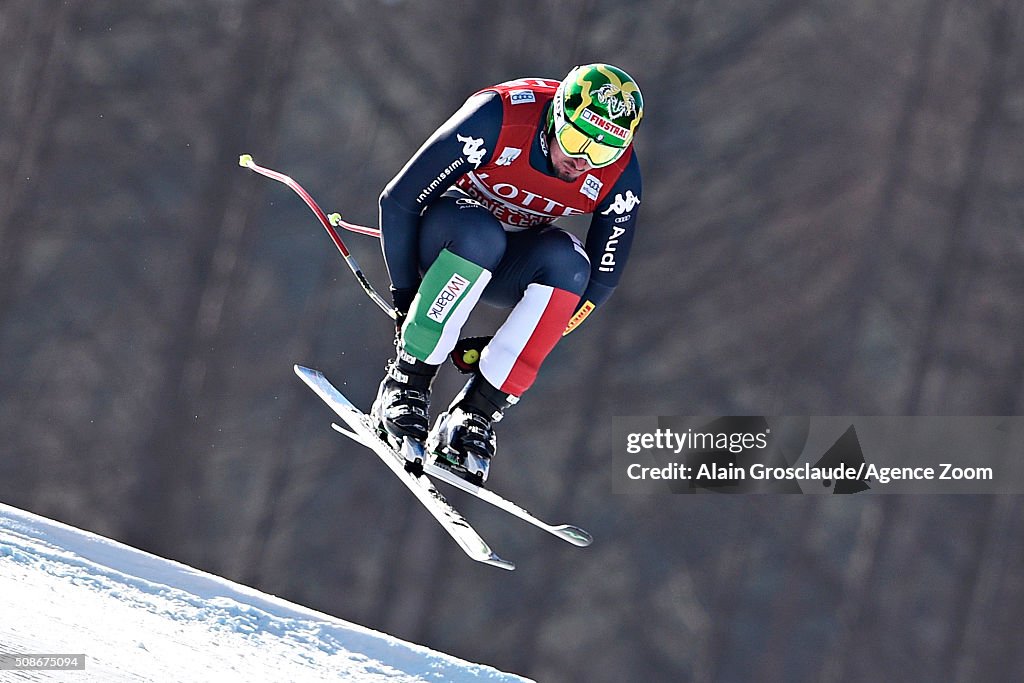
point(606, 98)
point(604, 124)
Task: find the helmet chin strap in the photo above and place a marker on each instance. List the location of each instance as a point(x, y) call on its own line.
point(547, 135)
point(546, 139)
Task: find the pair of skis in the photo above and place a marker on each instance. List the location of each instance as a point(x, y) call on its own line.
point(359, 429)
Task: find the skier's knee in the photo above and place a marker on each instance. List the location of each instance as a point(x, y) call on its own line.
point(483, 244)
point(462, 228)
point(564, 264)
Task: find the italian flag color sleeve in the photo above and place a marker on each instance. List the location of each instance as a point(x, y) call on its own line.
point(450, 289)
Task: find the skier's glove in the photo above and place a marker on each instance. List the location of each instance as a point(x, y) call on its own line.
point(402, 300)
point(466, 354)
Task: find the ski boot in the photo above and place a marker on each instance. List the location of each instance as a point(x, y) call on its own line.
point(463, 439)
point(401, 411)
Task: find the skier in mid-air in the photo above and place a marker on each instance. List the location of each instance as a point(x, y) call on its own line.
point(470, 218)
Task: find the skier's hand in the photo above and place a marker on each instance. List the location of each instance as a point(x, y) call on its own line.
point(402, 300)
point(466, 354)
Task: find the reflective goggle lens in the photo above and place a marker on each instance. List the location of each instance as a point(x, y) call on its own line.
point(576, 143)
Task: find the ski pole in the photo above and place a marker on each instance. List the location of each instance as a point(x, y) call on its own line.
point(329, 223)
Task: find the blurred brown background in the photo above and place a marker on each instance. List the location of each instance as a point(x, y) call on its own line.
point(831, 224)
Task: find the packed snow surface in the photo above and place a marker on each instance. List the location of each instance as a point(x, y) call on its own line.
point(138, 617)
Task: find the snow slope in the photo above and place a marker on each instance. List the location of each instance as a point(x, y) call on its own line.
point(138, 617)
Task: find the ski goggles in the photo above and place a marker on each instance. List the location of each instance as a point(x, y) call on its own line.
point(575, 143)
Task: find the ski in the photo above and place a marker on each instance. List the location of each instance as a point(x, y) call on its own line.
point(421, 486)
point(566, 532)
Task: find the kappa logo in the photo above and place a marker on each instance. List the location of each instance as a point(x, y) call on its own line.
point(622, 204)
point(591, 187)
point(473, 148)
point(442, 307)
point(521, 96)
point(507, 156)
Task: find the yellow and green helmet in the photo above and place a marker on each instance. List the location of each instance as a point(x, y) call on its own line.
point(596, 111)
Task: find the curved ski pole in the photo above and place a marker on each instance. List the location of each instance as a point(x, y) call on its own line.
point(336, 221)
point(329, 224)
